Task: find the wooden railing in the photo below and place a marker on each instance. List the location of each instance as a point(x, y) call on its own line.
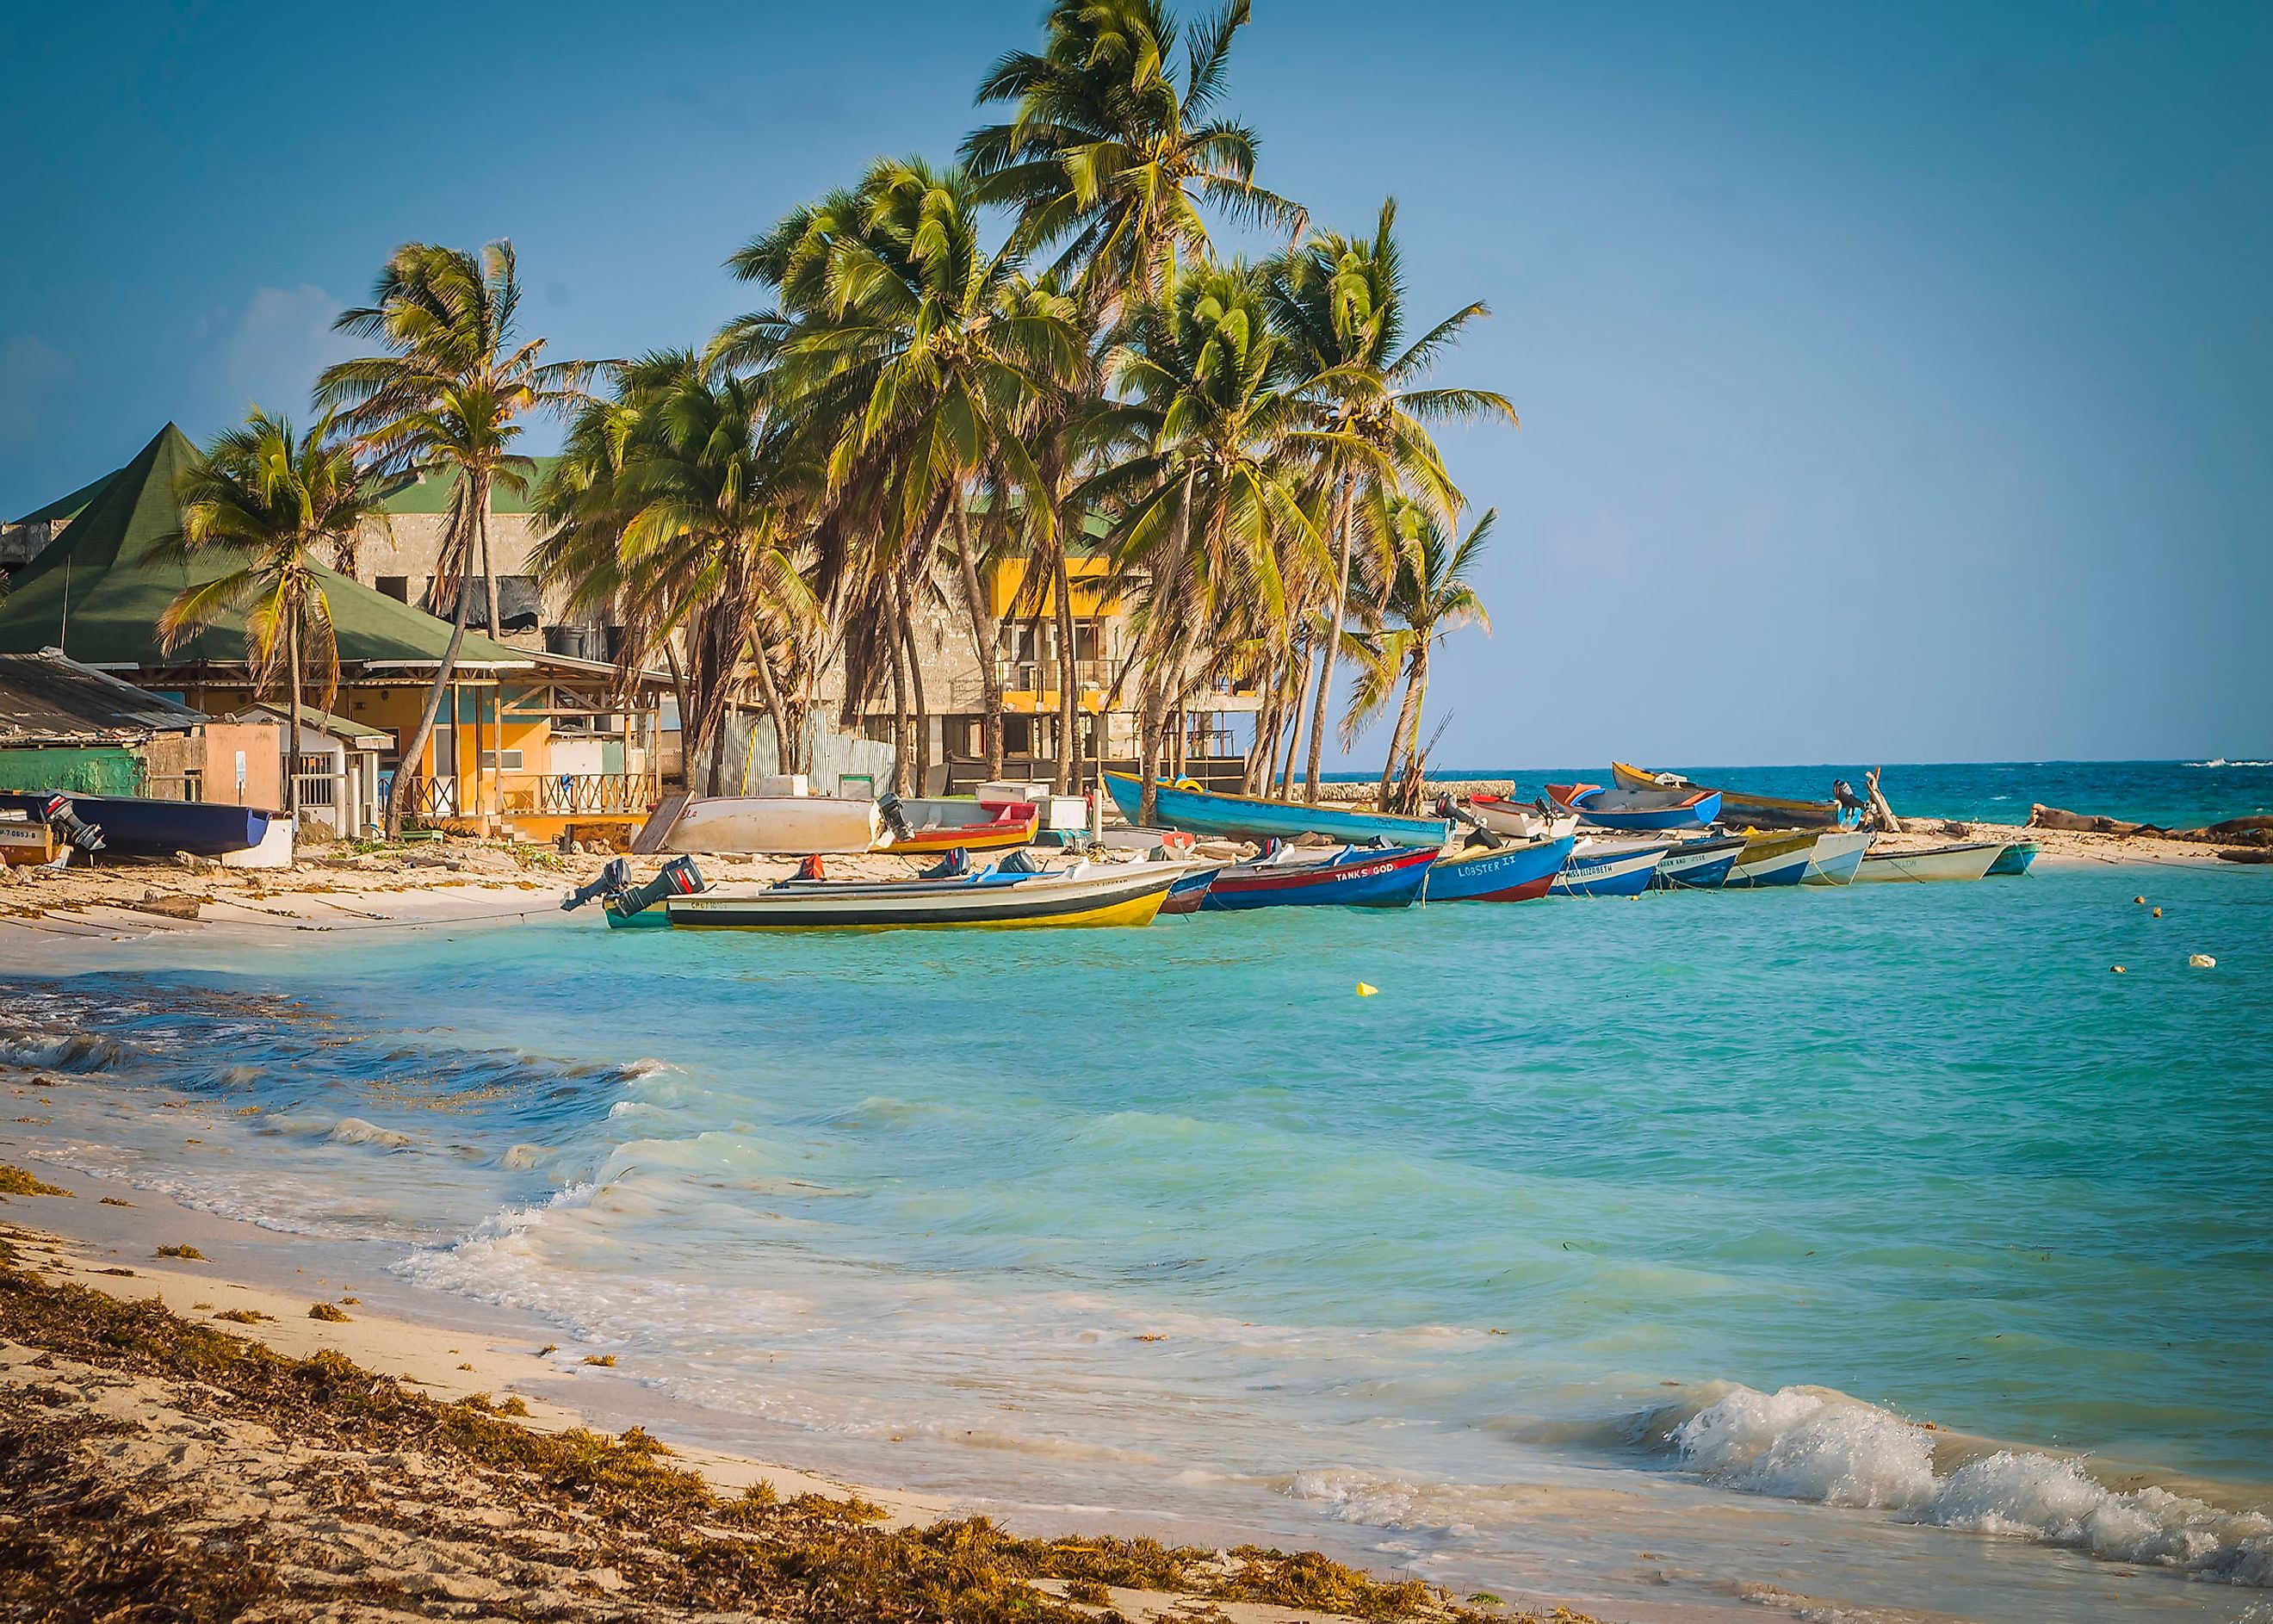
point(537, 795)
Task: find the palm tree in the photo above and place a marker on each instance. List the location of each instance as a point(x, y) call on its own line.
point(1211, 500)
point(1429, 596)
point(449, 395)
point(669, 503)
point(1340, 302)
point(266, 499)
point(909, 349)
point(1107, 156)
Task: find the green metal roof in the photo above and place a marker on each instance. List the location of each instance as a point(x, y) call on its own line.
point(91, 594)
point(328, 721)
point(431, 492)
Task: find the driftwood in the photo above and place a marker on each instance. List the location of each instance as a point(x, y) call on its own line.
point(2041, 816)
point(1881, 816)
point(2240, 831)
point(2248, 854)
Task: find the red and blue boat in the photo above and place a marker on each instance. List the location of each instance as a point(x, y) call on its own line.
point(1497, 874)
point(1700, 864)
point(1355, 876)
point(1251, 817)
point(1186, 895)
point(1610, 868)
point(1637, 810)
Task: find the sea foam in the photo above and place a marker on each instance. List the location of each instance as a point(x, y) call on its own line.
point(1815, 1444)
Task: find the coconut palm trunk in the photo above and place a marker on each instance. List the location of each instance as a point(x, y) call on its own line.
point(292, 721)
point(1332, 639)
point(986, 634)
point(413, 748)
point(1069, 673)
point(1405, 721)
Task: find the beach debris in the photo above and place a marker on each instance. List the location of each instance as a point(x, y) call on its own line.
point(1366, 990)
point(326, 1311)
point(189, 1252)
point(243, 1316)
point(549, 1348)
point(112, 1201)
point(16, 1181)
point(605, 1361)
point(2203, 961)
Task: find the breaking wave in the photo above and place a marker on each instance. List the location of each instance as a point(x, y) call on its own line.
point(1815, 1444)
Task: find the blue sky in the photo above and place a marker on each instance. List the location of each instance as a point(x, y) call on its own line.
point(1893, 378)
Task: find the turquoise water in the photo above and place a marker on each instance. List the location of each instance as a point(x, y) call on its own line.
point(1549, 1247)
point(2173, 794)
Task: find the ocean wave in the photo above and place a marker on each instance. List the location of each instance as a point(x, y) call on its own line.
point(1816, 1444)
point(355, 1131)
point(35, 1048)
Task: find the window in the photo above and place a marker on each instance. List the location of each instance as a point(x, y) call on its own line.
point(396, 587)
point(501, 760)
point(1017, 735)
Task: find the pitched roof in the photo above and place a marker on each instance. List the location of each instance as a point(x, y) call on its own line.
point(93, 595)
point(345, 728)
point(48, 700)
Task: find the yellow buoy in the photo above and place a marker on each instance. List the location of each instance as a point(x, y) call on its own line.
point(1366, 990)
point(2139, 899)
point(2203, 961)
point(2117, 968)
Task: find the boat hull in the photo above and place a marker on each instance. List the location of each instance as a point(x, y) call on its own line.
point(134, 827)
point(1509, 874)
point(937, 826)
point(1388, 879)
point(1836, 856)
point(1771, 860)
point(1188, 893)
point(1758, 811)
point(1246, 817)
point(1609, 871)
point(1697, 865)
point(996, 902)
point(2015, 858)
point(1637, 812)
point(1968, 861)
point(1514, 819)
point(776, 825)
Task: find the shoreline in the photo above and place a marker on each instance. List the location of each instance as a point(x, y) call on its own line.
point(135, 1435)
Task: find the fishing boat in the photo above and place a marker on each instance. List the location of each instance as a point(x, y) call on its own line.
point(1637, 810)
point(1520, 820)
point(776, 825)
point(1758, 811)
point(1086, 894)
point(1355, 876)
point(1191, 889)
point(1608, 867)
point(954, 824)
point(1250, 817)
point(1964, 860)
point(1774, 858)
point(132, 826)
point(1836, 856)
point(1698, 864)
point(1497, 873)
point(2015, 858)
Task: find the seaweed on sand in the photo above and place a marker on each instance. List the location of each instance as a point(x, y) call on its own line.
point(656, 1538)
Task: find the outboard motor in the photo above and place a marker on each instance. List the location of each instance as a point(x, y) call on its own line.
point(1021, 862)
point(64, 819)
point(888, 806)
point(679, 877)
point(954, 866)
point(615, 878)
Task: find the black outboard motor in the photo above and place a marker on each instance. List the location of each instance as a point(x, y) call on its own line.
point(64, 818)
point(679, 877)
point(888, 806)
point(954, 866)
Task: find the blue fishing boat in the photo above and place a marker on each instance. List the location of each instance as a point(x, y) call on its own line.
point(1248, 818)
point(2015, 858)
point(1355, 876)
point(1610, 868)
point(1497, 873)
point(134, 827)
point(1637, 810)
point(1186, 895)
point(1700, 864)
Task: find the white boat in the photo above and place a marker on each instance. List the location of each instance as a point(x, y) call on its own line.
point(776, 825)
point(1519, 821)
point(1836, 855)
point(1967, 859)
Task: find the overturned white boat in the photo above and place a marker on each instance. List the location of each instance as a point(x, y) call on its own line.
point(776, 825)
